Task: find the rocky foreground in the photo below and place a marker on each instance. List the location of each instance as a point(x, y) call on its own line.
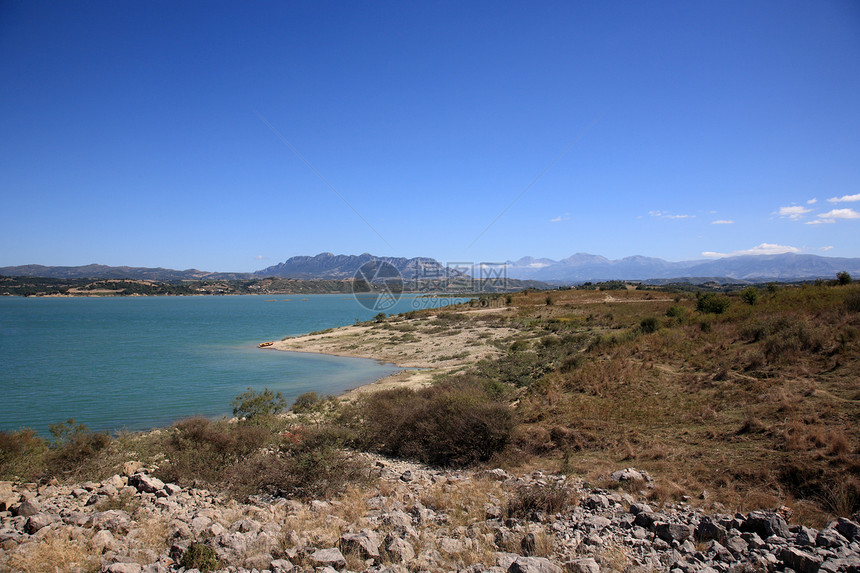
point(412, 519)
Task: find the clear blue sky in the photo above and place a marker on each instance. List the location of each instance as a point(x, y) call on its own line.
point(138, 133)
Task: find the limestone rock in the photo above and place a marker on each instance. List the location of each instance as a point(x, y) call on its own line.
point(331, 557)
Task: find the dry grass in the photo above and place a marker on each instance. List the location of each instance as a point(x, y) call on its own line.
point(62, 552)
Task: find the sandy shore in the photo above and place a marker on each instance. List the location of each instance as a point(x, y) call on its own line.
point(429, 346)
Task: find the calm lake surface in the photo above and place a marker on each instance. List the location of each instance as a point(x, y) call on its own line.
point(142, 362)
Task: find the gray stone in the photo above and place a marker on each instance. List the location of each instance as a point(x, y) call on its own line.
point(328, 557)
point(146, 483)
point(533, 565)
point(638, 508)
point(800, 560)
point(450, 546)
point(708, 530)
point(123, 568)
point(848, 528)
point(766, 524)
point(673, 531)
point(28, 507)
point(400, 550)
point(586, 565)
point(830, 538)
point(365, 543)
point(596, 501)
point(736, 545)
point(806, 537)
point(281, 566)
point(597, 522)
point(114, 520)
point(40, 521)
point(629, 474)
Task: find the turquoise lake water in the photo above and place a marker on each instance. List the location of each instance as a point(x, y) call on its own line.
point(143, 362)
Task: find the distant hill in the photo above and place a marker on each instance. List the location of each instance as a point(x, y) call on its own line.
point(330, 266)
point(586, 267)
point(580, 267)
point(106, 272)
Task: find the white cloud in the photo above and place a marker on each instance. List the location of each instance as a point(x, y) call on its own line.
point(664, 215)
point(723, 222)
point(825, 249)
point(794, 212)
point(820, 221)
point(812, 201)
point(259, 257)
point(845, 198)
point(841, 214)
point(565, 217)
point(762, 249)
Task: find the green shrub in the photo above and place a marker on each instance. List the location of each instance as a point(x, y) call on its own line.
point(306, 402)
point(749, 295)
point(253, 404)
point(676, 311)
point(843, 278)
point(711, 303)
point(200, 556)
point(649, 325)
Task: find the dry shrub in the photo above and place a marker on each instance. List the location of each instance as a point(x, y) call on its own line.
point(56, 551)
point(666, 491)
point(314, 469)
point(21, 454)
point(77, 456)
point(530, 500)
point(201, 450)
point(455, 423)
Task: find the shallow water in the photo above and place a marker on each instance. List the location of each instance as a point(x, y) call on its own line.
point(142, 362)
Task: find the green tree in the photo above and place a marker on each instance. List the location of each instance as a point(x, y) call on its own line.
point(711, 303)
point(843, 278)
point(253, 404)
point(749, 295)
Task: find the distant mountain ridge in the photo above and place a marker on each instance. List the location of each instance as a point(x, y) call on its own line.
point(586, 267)
point(579, 267)
point(107, 272)
point(330, 266)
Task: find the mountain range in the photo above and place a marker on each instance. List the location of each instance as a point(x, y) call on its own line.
point(586, 267)
point(577, 268)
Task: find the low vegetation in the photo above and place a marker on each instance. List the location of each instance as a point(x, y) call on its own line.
point(747, 399)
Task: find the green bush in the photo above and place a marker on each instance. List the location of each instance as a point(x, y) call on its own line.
point(201, 557)
point(749, 295)
point(253, 404)
point(676, 311)
point(649, 325)
point(843, 278)
point(711, 303)
point(306, 402)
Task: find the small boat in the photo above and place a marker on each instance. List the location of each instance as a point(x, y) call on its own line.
point(265, 344)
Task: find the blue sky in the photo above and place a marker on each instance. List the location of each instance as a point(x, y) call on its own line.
point(229, 136)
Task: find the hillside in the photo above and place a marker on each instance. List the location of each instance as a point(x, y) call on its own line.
point(588, 429)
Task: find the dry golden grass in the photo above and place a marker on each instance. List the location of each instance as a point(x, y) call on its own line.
point(56, 552)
